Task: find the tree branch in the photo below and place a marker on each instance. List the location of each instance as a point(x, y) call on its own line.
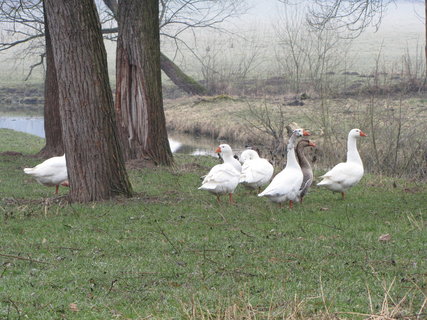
point(8, 45)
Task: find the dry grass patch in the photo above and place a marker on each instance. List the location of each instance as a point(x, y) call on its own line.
point(396, 143)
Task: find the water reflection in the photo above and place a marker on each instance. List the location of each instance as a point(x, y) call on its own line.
point(31, 125)
point(179, 143)
point(193, 145)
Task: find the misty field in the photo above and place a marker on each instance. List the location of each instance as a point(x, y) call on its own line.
point(171, 252)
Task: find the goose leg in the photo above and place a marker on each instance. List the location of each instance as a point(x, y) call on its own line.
point(343, 195)
point(57, 188)
point(218, 199)
point(230, 197)
point(291, 204)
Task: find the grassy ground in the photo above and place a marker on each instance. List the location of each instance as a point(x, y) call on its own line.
point(172, 252)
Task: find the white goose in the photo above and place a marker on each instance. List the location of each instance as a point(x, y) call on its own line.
point(223, 178)
point(286, 184)
point(52, 172)
point(256, 171)
point(247, 154)
point(346, 174)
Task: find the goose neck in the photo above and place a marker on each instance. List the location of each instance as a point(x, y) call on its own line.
point(227, 156)
point(302, 160)
point(292, 160)
point(352, 153)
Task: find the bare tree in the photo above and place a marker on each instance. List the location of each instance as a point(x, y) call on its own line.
point(52, 121)
point(139, 102)
point(228, 62)
point(23, 25)
point(271, 121)
point(177, 76)
point(306, 56)
point(94, 158)
point(352, 16)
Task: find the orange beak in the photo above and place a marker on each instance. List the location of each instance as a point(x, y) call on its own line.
point(362, 134)
point(312, 144)
point(218, 150)
point(305, 133)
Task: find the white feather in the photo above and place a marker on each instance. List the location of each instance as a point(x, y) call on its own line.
point(51, 172)
point(256, 171)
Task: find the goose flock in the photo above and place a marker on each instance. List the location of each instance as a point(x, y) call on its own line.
point(292, 183)
point(253, 172)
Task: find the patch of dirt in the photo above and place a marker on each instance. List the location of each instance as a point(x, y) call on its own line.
point(215, 99)
point(46, 201)
point(11, 154)
point(140, 164)
point(413, 190)
point(19, 154)
point(191, 167)
point(141, 197)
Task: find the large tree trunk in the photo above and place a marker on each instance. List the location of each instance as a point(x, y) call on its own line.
point(175, 74)
point(94, 159)
point(52, 121)
point(139, 102)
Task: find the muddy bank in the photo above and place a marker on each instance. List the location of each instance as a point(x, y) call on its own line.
point(25, 100)
point(244, 120)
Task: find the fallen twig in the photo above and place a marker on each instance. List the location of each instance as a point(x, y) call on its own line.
point(21, 258)
point(167, 238)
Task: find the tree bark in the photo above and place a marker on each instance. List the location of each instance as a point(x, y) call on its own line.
point(425, 36)
point(139, 101)
point(95, 162)
point(175, 74)
point(52, 121)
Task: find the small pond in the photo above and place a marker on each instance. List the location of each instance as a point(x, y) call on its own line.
point(180, 143)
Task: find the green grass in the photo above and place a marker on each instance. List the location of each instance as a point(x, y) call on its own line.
point(172, 252)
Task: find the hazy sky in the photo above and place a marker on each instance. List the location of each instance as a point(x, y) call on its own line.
point(402, 29)
point(403, 14)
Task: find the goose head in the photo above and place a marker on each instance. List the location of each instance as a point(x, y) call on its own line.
point(248, 154)
point(300, 133)
point(224, 149)
point(356, 133)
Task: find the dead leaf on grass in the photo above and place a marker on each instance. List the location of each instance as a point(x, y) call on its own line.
point(273, 260)
point(385, 237)
point(73, 307)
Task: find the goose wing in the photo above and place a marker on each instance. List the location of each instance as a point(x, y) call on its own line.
point(343, 173)
point(256, 170)
point(220, 174)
